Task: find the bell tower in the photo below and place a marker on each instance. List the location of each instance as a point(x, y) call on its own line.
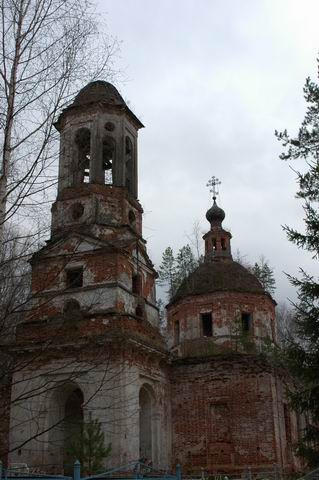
point(98, 140)
point(98, 163)
point(96, 259)
point(94, 316)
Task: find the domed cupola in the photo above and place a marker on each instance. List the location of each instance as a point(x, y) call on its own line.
point(219, 299)
point(217, 240)
point(99, 91)
point(215, 215)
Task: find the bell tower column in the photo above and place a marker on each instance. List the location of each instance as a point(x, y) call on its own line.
point(96, 173)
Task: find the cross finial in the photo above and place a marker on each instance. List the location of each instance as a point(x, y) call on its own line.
point(213, 183)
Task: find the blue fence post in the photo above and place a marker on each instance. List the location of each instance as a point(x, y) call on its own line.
point(76, 470)
point(178, 472)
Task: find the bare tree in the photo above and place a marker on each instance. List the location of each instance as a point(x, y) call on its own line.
point(286, 322)
point(195, 237)
point(49, 49)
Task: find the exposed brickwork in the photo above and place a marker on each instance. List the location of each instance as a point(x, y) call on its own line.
point(226, 309)
point(208, 399)
point(223, 414)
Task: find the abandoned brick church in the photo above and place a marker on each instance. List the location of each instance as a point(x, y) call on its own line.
point(206, 396)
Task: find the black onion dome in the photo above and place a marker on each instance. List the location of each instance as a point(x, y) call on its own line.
point(99, 91)
point(215, 214)
point(219, 276)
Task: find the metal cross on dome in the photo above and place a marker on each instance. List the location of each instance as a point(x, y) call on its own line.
point(214, 183)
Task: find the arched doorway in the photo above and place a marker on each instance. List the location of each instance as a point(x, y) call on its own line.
point(72, 426)
point(65, 423)
point(147, 425)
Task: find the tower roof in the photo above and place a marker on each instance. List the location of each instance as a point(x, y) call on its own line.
point(99, 91)
point(219, 276)
point(218, 272)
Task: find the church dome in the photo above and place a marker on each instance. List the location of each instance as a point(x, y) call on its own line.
point(219, 276)
point(215, 214)
point(99, 91)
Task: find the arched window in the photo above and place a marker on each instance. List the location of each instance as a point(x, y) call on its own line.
point(147, 424)
point(83, 144)
point(129, 167)
point(108, 157)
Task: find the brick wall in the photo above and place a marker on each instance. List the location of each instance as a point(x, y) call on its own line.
point(223, 414)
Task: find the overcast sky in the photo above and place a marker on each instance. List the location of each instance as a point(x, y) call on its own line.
point(211, 80)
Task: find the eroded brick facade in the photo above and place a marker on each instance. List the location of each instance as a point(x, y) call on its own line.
point(207, 397)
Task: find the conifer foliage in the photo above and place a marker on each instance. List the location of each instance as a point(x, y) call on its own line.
point(302, 351)
point(173, 270)
point(265, 274)
point(89, 447)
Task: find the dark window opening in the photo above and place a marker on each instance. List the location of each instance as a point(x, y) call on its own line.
point(223, 243)
point(128, 163)
point(109, 126)
point(207, 324)
point(139, 312)
point(108, 155)
point(83, 142)
point(214, 244)
point(176, 332)
point(246, 322)
point(136, 284)
point(74, 277)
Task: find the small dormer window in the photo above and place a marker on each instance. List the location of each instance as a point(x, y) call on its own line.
point(74, 277)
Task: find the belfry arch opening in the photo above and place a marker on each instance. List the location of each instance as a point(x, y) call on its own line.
point(108, 159)
point(147, 424)
point(129, 166)
point(83, 147)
